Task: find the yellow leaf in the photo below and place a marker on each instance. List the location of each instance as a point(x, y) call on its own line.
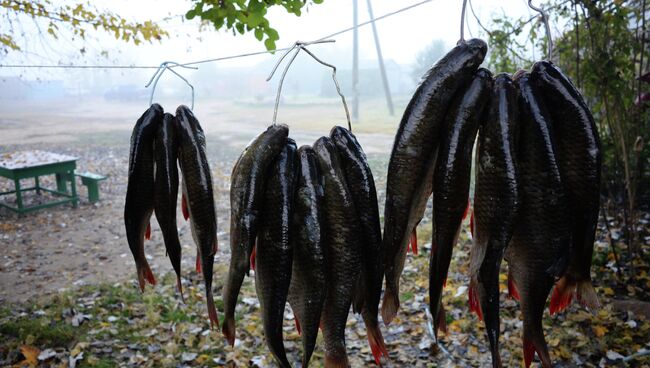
point(600, 331)
point(608, 291)
point(31, 355)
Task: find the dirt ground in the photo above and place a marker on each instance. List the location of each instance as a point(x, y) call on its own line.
point(59, 248)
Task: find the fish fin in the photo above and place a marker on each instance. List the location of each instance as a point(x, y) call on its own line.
point(562, 294)
point(466, 209)
point(376, 342)
point(228, 330)
point(389, 306)
point(336, 361)
point(179, 286)
point(145, 275)
point(441, 321)
point(586, 295)
point(198, 262)
point(474, 303)
point(295, 318)
point(535, 345)
point(414, 241)
point(253, 257)
point(512, 288)
point(184, 209)
point(212, 311)
point(147, 233)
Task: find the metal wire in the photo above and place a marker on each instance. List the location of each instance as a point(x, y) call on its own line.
point(297, 46)
point(161, 69)
point(462, 22)
point(549, 38)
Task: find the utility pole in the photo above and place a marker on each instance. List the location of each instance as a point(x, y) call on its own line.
point(355, 61)
point(384, 78)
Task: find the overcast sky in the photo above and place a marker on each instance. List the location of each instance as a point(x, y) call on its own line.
point(402, 35)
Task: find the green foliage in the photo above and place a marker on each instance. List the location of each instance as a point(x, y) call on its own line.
point(79, 18)
point(242, 16)
point(425, 59)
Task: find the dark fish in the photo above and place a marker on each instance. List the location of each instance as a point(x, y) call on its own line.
point(197, 185)
point(496, 201)
point(579, 157)
point(139, 203)
point(539, 250)
point(451, 181)
point(413, 158)
point(246, 197)
point(361, 185)
point(274, 254)
point(166, 190)
point(343, 252)
point(307, 290)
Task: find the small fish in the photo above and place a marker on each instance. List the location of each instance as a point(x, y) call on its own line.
point(451, 180)
point(580, 161)
point(197, 187)
point(246, 197)
point(343, 253)
point(364, 195)
point(139, 203)
point(538, 253)
point(496, 201)
point(274, 254)
point(308, 286)
point(412, 160)
point(166, 190)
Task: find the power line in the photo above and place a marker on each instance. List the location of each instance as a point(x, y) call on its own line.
point(335, 34)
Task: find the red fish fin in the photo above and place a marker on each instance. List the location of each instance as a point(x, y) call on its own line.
point(532, 346)
point(466, 210)
point(145, 275)
point(186, 212)
point(562, 295)
point(147, 234)
point(441, 320)
point(212, 311)
point(228, 330)
point(586, 295)
point(474, 302)
point(512, 288)
point(376, 342)
point(295, 318)
point(253, 257)
point(389, 306)
point(179, 286)
point(198, 262)
point(414, 241)
point(336, 361)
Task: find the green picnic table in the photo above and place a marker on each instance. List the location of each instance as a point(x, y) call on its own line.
point(33, 164)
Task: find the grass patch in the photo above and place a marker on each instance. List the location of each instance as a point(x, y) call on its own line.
point(41, 331)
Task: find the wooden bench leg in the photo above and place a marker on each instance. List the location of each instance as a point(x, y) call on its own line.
point(37, 185)
point(73, 185)
point(61, 183)
point(93, 191)
point(19, 196)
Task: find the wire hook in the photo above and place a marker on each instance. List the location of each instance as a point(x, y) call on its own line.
point(548, 27)
point(462, 22)
point(159, 72)
point(297, 47)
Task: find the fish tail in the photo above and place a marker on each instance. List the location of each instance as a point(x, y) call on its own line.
point(145, 275)
point(512, 287)
point(147, 234)
point(440, 321)
point(228, 330)
point(390, 305)
point(466, 209)
point(184, 209)
point(198, 262)
point(414, 241)
point(563, 293)
point(212, 311)
point(179, 286)
point(586, 295)
point(476, 256)
point(474, 303)
point(336, 360)
point(376, 342)
point(253, 257)
point(534, 343)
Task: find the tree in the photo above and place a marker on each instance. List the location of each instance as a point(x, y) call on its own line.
point(425, 59)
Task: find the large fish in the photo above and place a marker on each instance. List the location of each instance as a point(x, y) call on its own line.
point(579, 156)
point(308, 286)
point(538, 253)
point(343, 252)
point(166, 190)
point(413, 159)
point(139, 203)
point(274, 254)
point(364, 195)
point(246, 197)
point(451, 181)
point(496, 201)
point(197, 182)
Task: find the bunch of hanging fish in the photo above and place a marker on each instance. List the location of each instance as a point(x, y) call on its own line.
point(536, 197)
point(160, 140)
point(307, 221)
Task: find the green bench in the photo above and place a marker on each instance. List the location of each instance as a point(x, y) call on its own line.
point(90, 180)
